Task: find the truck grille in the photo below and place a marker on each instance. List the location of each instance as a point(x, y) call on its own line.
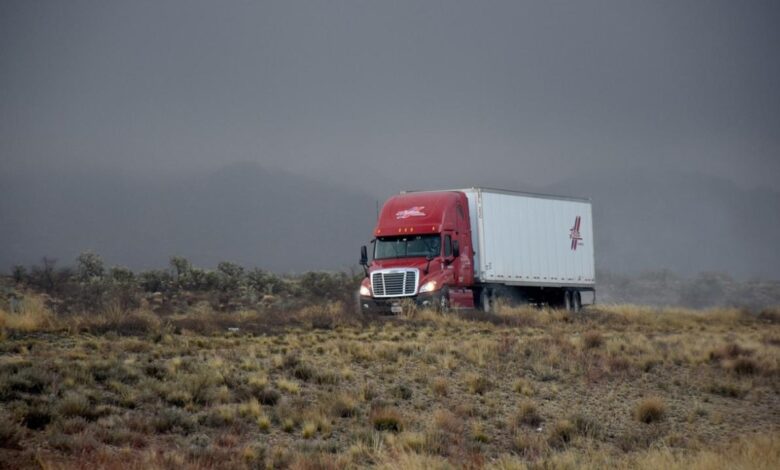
point(394, 283)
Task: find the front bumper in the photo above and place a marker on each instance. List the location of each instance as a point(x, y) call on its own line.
point(394, 305)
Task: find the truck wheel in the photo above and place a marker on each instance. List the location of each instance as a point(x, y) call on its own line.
point(567, 301)
point(444, 300)
point(485, 300)
point(576, 301)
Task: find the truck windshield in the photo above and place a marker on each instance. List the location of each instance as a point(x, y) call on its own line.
point(407, 247)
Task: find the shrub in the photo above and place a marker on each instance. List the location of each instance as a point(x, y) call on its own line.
point(11, 434)
point(29, 380)
point(439, 386)
point(478, 384)
point(36, 418)
point(303, 372)
point(343, 406)
point(727, 389)
point(386, 419)
point(219, 416)
point(526, 415)
point(479, 434)
point(523, 387)
point(73, 405)
point(178, 398)
point(729, 351)
point(744, 366)
point(268, 396)
point(586, 426)
point(251, 409)
point(288, 386)
point(561, 433)
point(230, 276)
point(402, 392)
point(592, 339)
point(89, 266)
point(18, 273)
point(530, 446)
point(327, 377)
point(650, 410)
point(309, 430)
point(31, 315)
point(264, 423)
point(172, 420)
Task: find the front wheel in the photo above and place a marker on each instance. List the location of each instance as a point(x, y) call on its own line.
point(443, 304)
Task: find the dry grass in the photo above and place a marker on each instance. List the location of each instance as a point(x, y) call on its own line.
point(615, 387)
point(386, 419)
point(31, 315)
point(650, 410)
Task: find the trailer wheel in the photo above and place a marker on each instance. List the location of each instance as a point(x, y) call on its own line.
point(576, 301)
point(567, 301)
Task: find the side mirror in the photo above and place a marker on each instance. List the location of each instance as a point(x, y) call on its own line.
point(455, 248)
point(429, 257)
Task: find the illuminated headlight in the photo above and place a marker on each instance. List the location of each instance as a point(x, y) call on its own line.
point(365, 291)
point(429, 286)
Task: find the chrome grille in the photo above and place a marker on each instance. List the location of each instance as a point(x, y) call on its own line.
point(394, 282)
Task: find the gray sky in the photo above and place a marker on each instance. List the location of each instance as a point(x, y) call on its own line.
point(379, 96)
point(333, 88)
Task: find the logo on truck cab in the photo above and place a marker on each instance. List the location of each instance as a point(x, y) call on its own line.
point(574, 234)
point(415, 211)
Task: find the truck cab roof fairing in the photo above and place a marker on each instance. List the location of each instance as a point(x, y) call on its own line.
point(418, 213)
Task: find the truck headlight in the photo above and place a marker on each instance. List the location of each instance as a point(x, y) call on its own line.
point(365, 291)
point(429, 286)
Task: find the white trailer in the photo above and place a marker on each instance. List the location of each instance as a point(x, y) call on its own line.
point(525, 243)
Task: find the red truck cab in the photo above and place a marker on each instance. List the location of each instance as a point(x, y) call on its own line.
point(422, 251)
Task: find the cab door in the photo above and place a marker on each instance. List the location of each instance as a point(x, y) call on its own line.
point(463, 265)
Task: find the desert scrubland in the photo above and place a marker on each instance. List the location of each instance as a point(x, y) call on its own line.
point(321, 387)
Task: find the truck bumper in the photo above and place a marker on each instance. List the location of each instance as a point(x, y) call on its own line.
point(393, 305)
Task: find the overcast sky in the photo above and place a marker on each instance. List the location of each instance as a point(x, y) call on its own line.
point(360, 91)
point(126, 127)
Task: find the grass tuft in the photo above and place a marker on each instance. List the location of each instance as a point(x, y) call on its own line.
point(592, 339)
point(650, 410)
point(386, 419)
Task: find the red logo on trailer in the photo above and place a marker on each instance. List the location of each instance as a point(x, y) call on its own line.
point(574, 234)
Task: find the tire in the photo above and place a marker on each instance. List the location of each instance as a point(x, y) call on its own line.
point(576, 301)
point(568, 303)
point(443, 305)
point(485, 301)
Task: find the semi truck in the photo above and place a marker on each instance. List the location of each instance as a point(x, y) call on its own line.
point(473, 248)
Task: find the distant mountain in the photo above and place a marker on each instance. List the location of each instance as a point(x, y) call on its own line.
point(241, 213)
point(683, 222)
point(288, 223)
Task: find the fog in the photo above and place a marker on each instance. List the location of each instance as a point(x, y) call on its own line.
point(265, 132)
